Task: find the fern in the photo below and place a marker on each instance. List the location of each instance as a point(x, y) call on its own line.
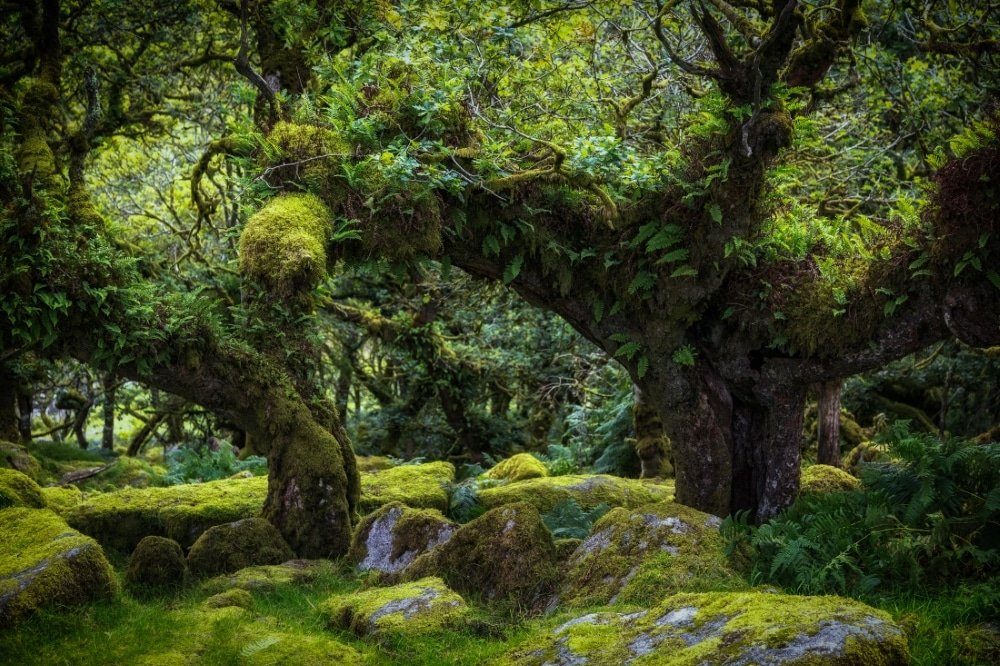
point(567, 520)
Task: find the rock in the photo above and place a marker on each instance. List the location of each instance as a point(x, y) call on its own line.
point(235, 597)
point(418, 486)
point(19, 490)
point(157, 562)
point(119, 520)
point(237, 545)
point(411, 608)
point(14, 456)
point(645, 554)
point(391, 538)
point(518, 467)
point(822, 479)
point(268, 577)
point(587, 490)
point(566, 547)
point(506, 553)
point(45, 563)
point(725, 628)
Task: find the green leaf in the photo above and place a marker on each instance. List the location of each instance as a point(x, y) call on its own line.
point(994, 277)
point(628, 350)
point(680, 254)
point(715, 212)
point(491, 246)
point(644, 281)
point(642, 367)
point(598, 311)
point(513, 269)
point(666, 237)
point(684, 271)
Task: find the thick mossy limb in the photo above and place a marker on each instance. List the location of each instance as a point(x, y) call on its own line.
point(45, 563)
point(419, 607)
point(283, 245)
point(18, 490)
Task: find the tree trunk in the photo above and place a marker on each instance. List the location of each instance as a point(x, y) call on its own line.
point(145, 432)
point(80, 424)
point(651, 444)
point(828, 422)
point(110, 393)
point(8, 406)
point(24, 408)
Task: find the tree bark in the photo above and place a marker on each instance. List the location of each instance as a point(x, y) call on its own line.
point(8, 407)
point(24, 409)
point(110, 393)
point(651, 444)
point(828, 422)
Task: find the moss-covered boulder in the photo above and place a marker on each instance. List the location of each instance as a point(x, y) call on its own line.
point(823, 479)
point(268, 577)
point(724, 628)
point(120, 519)
point(19, 490)
point(417, 607)
point(642, 555)
point(389, 539)
point(506, 553)
point(518, 467)
point(14, 456)
point(587, 490)
point(157, 562)
point(420, 486)
point(237, 545)
point(865, 452)
point(368, 464)
point(45, 563)
point(62, 499)
point(236, 597)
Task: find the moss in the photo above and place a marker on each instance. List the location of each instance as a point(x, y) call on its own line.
point(127, 471)
point(237, 545)
point(506, 553)
point(641, 555)
point(19, 490)
point(566, 547)
point(311, 155)
point(283, 245)
point(418, 486)
point(119, 520)
point(157, 562)
point(587, 490)
point(822, 479)
point(237, 597)
point(44, 563)
point(979, 644)
point(392, 537)
point(62, 499)
point(518, 467)
point(268, 577)
point(34, 156)
point(15, 456)
point(726, 628)
point(865, 452)
point(374, 463)
point(418, 607)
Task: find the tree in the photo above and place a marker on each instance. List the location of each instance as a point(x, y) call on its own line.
point(647, 171)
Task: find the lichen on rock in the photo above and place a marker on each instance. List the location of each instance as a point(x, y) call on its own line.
point(712, 629)
point(518, 467)
point(420, 486)
point(822, 479)
point(389, 539)
point(506, 553)
point(19, 490)
point(587, 490)
point(237, 545)
point(417, 607)
point(45, 563)
point(157, 562)
point(642, 555)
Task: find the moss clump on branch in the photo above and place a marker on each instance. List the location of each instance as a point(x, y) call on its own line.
point(311, 155)
point(283, 245)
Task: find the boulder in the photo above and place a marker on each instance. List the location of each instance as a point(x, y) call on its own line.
point(235, 597)
point(268, 577)
point(45, 563)
point(19, 490)
point(588, 491)
point(237, 545)
point(518, 467)
point(712, 629)
point(388, 540)
point(157, 562)
point(506, 553)
point(645, 554)
point(823, 479)
point(14, 456)
point(420, 486)
point(418, 607)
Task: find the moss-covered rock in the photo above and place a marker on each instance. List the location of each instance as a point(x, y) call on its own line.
point(157, 562)
point(236, 597)
point(865, 452)
point(417, 607)
point(587, 490)
point(120, 519)
point(15, 456)
point(368, 464)
point(389, 539)
point(642, 555)
point(822, 479)
point(518, 467)
point(62, 499)
point(269, 577)
point(566, 547)
point(980, 644)
point(725, 628)
point(419, 486)
point(126, 472)
point(45, 563)
point(506, 553)
point(19, 490)
point(237, 545)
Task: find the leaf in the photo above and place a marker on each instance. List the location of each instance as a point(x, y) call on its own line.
point(644, 281)
point(491, 246)
point(598, 311)
point(513, 269)
point(684, 271)
point(628, 350)
point(994, 278)
point(715, 212)
point(666, 237)
point(642, 367)
point(680, 254)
